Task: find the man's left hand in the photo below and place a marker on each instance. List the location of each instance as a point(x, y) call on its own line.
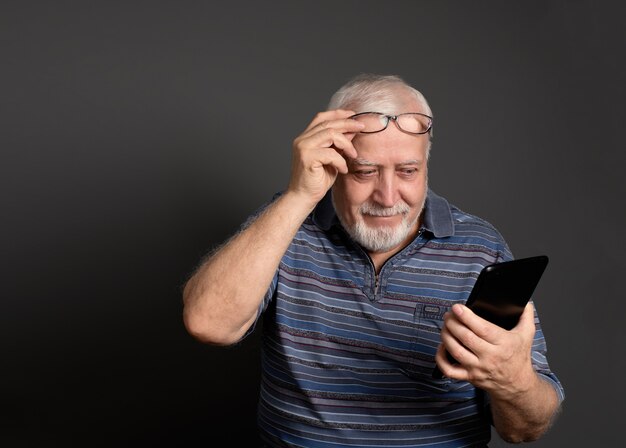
point(490, 357)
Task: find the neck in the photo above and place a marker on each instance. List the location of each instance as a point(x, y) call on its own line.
point(380, 258)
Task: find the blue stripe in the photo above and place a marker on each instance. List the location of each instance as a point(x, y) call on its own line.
point(347, 366)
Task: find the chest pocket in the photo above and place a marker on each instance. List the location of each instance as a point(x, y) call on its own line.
point(429, 322)
point(428, 318)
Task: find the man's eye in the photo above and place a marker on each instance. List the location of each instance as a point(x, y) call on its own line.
point(365, 173)
point(408, 171)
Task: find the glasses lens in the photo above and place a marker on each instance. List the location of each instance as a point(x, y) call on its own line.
point(414, 123)
point(373, 122)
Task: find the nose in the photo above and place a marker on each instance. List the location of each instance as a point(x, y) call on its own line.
point(386, 192)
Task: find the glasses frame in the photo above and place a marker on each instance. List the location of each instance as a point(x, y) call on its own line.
point(395, 120)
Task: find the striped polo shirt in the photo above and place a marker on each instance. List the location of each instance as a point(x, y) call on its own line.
point(348, 355)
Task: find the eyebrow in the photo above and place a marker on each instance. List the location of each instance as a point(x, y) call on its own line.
point(363, 162)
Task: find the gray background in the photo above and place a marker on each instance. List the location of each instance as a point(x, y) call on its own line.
point(135, 136)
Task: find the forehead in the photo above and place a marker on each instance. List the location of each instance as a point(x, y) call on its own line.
point(376, 149)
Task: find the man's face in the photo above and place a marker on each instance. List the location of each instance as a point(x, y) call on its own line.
point(380, 200)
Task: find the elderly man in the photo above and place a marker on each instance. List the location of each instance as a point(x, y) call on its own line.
point(360, 273)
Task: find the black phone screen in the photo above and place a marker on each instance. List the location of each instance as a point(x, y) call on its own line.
point(502, 290)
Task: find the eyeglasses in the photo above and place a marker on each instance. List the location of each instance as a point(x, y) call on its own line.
point(411, 123)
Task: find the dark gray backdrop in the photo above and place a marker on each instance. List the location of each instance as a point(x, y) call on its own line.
point(135, 136)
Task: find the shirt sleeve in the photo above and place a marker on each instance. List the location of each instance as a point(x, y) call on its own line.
point(540, 359)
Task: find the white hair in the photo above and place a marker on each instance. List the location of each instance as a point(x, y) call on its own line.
point(387, 94)
point(376, 93)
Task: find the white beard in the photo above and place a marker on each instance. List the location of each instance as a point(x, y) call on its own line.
point(381, 238)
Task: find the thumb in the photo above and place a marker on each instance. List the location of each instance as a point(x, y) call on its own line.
point(527, 319)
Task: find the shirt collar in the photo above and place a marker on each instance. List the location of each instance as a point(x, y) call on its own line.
point(437, 216)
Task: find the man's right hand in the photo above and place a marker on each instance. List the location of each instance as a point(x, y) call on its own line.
point(219, 306)
point(320, 152)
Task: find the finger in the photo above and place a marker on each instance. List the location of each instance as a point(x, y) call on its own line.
point(441, 357)
point(329, 115)
point(350, 135)
point(344, 145)
point(528, 315)
point(467, 345)
point(327, 138)
point(456, 340)
point(329, 157)
point(449, 369)
point(482, 328)
point(526, 322)
point(343, 126)
point(456, 371)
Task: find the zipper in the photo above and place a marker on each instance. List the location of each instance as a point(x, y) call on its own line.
point(376, 282)
point(376, 274)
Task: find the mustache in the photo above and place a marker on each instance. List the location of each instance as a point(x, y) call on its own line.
point(401, 208)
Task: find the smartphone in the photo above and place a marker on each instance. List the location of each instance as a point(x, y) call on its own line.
point(502, 290)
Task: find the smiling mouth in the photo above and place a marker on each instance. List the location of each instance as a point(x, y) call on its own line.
point(393, 215)
point(389, 213)
point(384, 219)
point(382, 215)
point(376, 211)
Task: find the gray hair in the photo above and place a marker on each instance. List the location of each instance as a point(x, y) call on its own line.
point(378, 93)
